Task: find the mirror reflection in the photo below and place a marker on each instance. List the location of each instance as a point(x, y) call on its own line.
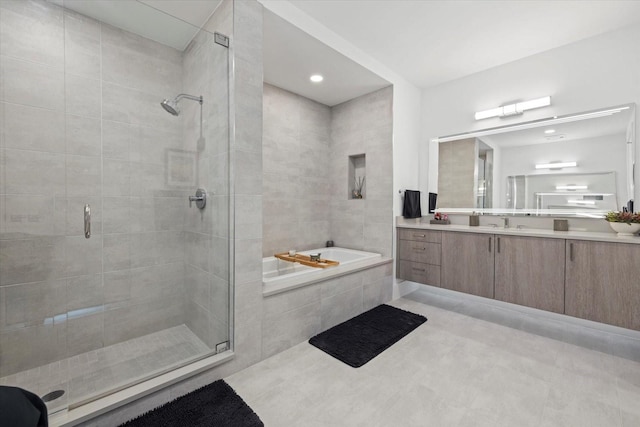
point(575, 165)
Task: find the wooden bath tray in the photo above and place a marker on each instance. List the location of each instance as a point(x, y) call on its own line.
point(306, 260)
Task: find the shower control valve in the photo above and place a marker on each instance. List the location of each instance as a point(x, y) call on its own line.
point(200, 198)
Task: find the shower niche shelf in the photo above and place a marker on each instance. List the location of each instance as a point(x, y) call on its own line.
point(357, 173)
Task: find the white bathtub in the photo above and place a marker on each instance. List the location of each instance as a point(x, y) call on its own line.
point(279, 275)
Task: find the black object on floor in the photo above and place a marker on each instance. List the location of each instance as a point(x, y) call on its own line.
point(360, 339)
point(21, 408)
point(216, 404)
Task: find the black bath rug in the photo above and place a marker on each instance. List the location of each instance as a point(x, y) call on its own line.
point(216, 404)
point(360, 339)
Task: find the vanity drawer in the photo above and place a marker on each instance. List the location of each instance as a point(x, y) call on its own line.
point(425, 252)
point(419, 235)
point(418, 272)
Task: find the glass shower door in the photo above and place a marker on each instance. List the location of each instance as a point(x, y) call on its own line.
point(107, 275)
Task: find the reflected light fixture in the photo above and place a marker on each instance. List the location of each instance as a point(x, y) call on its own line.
point(316, 78)
point(581, 202)
point(557, 165)
point(572, 187)
point(550, 131)
point(513, 109)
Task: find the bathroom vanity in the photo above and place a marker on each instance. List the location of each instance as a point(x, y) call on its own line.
point(589, 275)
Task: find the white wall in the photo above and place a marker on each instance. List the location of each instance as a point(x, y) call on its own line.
point(598, 72)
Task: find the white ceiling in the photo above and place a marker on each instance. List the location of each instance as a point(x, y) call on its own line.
point(291, 56)
point(432, 42)
point(426, 42)
point(152, 19)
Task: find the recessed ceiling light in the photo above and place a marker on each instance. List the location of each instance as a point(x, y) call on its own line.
point(316, 78)
point(549, 131)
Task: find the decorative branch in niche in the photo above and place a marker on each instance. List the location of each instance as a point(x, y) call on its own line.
point(358, 185)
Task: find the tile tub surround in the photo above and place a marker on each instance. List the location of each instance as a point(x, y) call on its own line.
point(296, 315)
point(296, 170)
point(306, 149)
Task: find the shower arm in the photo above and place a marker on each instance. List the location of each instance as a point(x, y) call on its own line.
point(191, 97)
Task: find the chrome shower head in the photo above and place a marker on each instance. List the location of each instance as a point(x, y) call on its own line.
point(171, 106)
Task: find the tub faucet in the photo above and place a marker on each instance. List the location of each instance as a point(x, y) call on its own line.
point(505, 222)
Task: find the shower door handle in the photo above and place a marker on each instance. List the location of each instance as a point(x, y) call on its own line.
point(87, 221)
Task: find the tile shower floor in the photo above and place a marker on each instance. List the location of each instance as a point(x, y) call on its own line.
point(456, 370)
point(92, 373)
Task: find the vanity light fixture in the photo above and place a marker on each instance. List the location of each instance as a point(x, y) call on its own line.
point(316, 78)
point(557, 165)
point(572, 187)
point(514, 109)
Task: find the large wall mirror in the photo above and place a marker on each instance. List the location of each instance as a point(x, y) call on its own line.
point(575, 165)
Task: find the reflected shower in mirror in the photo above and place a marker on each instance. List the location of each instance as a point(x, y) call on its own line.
point(575, 165)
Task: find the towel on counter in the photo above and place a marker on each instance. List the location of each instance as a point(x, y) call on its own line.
point(411, 207)
point(21, 408)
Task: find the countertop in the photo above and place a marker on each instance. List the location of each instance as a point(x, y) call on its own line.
point(423, 224)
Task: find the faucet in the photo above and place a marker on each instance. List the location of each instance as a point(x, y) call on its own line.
point(505, 223)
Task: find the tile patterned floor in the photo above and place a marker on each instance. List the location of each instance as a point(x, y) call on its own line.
point(91, 373)
point(455, 370)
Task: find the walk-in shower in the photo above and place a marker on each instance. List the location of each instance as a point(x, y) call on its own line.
point(171, 106)
point(148, 290)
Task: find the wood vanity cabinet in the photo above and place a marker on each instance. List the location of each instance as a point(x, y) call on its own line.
point(419, 256)
point(467, 263)
point(529, 271)
point(602, 282)
point(592, 280)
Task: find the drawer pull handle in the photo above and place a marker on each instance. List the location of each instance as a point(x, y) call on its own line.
point(489, 244)
point(419, 249)
point(570, 251)
point(419, 235)
point(87, 221)
point(419, 269)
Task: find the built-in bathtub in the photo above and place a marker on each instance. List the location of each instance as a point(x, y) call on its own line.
point(279, 276)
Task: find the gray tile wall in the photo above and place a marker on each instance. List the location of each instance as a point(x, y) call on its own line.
point(306, 155)
point(457, 174)
point(296, 139)
point(363, 126)
point(80, 123)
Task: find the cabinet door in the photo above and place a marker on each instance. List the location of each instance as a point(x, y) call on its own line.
point(603, 282)
point(530, 272)
point(467, 263)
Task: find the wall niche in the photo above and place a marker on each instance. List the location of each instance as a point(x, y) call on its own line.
point(357, 173)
